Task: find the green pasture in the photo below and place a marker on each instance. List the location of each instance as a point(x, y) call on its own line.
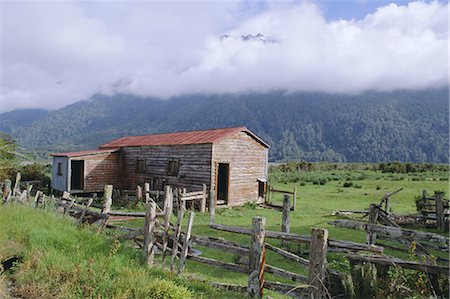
point(61, 260)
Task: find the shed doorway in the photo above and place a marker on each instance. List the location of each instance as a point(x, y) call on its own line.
point(77, 175)
point(223, 183)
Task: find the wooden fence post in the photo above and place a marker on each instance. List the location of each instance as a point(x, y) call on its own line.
point(285, 220)
point(184, 251)
point(6, 189)
point(183, 202)
point(203, 202)
point(83, 214)
point(149, 237)
point(176, 237)
point(255, 288)
point(16, 189)
point(138, 193)
point(108, 199)
point(212, 206)
point(317, 262)
point(373, 218)
point(168, 208)
point(147, 192)
point(439, 211)
point(295, 199)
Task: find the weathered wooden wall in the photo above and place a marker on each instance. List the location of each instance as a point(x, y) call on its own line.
point(59, 182)
point(248, 163)
point(99, 170)
point(194, 165)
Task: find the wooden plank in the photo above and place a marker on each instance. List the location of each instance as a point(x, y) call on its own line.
point(294, 207)
point(187, 238)
point(287, 254)
point(176, 238)
point(317, 262)
point(283, 191)
point(212, 262)
point(168, 207)
point(285, 220)
point(257, 259)
point(83, 214)
point(203, 200)
point(149, 237)
point(395, 232)
point(300, 238)
point(439, 211)
point(390, 261)
point(373, 218)
point(6, 188)
point(286, 274)
point(212, 206)
point(16, 189)
point(225, 246)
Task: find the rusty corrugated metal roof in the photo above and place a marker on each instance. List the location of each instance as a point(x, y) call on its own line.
point(85, 153)
point(179, 138)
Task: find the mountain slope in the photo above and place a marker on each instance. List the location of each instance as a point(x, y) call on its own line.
point(402, 125)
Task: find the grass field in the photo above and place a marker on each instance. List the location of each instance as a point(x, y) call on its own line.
point(65, 260)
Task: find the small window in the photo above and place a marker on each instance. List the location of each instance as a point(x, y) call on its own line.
point(173, 167)
point(59, 168)
point(140, 165)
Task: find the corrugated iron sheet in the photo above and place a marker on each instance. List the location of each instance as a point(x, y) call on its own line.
point(85, 153)
point(178, 138)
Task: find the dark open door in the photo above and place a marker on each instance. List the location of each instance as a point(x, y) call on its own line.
point(223, 182)
point(77, 177)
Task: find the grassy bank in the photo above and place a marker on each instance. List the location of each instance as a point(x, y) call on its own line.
point(60, 260)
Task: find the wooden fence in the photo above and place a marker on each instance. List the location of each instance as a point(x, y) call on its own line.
point(160, 235)
point(270, 191)
point(434, 210)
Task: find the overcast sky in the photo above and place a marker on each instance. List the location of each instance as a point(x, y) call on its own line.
point(56, 53)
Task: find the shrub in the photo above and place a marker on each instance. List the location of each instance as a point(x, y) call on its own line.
point(348, 184)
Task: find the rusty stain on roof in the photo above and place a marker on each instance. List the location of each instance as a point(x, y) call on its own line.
point(85, 153)
point(179, 138)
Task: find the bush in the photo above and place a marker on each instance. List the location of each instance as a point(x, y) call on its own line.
point(347, 184)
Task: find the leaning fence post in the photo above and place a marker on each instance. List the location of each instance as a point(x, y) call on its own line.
point(373, 218)
point(149, 237)
point(86, 208)
point(295, 199)
point(255, 288)
point(212, 206)
point(16, 189)
point(317, 262)
point(176, 237)
point(285, 220)
point(439, 211)
point(187, 238)
point(168, 208)
point(6, 189)
point(203, 202)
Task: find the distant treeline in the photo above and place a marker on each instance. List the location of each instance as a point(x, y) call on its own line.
point(392, 167)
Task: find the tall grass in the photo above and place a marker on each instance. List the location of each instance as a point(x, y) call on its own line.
point(61, 260)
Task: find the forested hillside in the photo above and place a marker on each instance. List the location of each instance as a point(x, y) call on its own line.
point(403, 125)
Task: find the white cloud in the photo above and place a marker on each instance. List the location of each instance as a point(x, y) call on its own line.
point(55, 53)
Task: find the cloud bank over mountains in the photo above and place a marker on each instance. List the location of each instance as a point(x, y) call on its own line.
point(56, 53)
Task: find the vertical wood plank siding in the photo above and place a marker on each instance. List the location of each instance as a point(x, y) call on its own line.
point(194, 165)
point(59, 182)
point(247, 159)
point(99, 170)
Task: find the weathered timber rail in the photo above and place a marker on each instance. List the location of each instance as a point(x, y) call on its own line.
point(394, 233)
point(347, 245)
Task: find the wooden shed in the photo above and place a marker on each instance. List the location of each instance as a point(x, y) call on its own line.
point(231, 161)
